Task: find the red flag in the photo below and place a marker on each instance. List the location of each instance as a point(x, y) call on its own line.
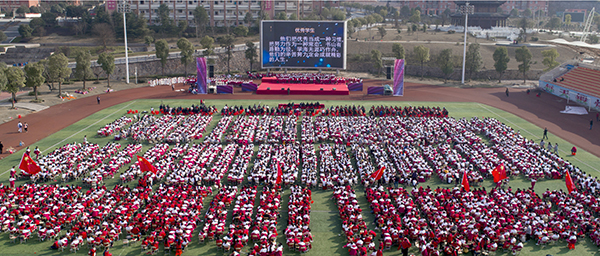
point(499, 173)
point(570, 184)
point(378, 174)
point(465, 182)
point(145, 165)
point(28, 165)
point(279, 173)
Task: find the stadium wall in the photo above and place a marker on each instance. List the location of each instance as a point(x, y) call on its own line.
point(573, 96)
point(545, 84)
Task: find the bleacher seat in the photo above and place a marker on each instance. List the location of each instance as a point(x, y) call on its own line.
point(583, 80)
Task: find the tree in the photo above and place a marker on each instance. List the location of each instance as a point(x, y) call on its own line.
point(421, 55)
point(248, 19)
point(3, 36)
point(444, 60)
point(165, 20)
point(162, 52)
point(445, 16)
point(23, 9)
point(74, 11)
point(83, 63)
point(416, 17)
point(107, 63)
point(550, 57)
point(383, 14)
point(398, 50)
point(182, 25)
point(568, 19)
point(377, 60)
point(251, 52)
point(524, 24)
point(405, 11)
point(57, 9)
point(58, 69)
point(382, 31)
point(137, 26)
point(187, 52)
point(3, 80)
point(281, 16)
point(16, 80)
point(35, 9)
point(50, 18)
point(25, 31)
point(523, 55)
point(34, 73)
point(200, 19)
point(396, 15)
point(474, 60)
point(241, 30)
point(501, 60)
point(514, 12)
point(293, 16)
point(37, 22)
point(148, 40)
point(207, 44)
point(554, 23)
point(592, 39)
point(227, 43)
point(527, 12)
point(105, 33)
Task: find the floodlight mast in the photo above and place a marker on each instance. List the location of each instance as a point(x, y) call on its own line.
point(124, 8)
point(465, 9)
point(588, 24)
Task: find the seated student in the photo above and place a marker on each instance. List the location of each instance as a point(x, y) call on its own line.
point(55, 245)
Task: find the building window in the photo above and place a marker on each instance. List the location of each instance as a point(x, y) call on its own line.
point(217, 13)
point(141, 2)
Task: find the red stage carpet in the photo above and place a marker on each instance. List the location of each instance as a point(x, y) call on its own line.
point(302, 89)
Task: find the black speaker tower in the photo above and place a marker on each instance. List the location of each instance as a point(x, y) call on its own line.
point(389, 72)
point(211, 71)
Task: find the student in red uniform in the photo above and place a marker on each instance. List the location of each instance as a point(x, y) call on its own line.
point(404, 245)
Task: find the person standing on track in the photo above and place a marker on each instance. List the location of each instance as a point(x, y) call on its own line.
point(20, 126)
point(25, 127)
point(591, 123)
point(98, 99)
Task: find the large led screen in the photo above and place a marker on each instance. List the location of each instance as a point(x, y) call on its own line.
point(303, 44)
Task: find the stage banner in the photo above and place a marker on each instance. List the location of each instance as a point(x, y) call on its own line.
point(375, 90)
point(399, 77)
point(355, 86)
point(227, 89)
point(202, 78)
point(249, 87)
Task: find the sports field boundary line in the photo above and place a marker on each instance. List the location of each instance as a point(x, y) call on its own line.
point(87, 127)
point(535, 136)
point(1, 174)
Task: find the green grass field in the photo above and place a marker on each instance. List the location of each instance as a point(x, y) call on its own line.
point(326, 224)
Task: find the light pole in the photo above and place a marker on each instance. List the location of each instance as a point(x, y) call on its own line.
point(124, 8)
point(465, 9)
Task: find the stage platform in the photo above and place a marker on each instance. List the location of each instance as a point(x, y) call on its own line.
point(302, 89)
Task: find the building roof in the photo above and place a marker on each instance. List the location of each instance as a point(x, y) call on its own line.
point(476, 2)
point(482, 15)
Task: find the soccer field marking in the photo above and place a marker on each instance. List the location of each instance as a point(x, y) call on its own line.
point(87, 127)
point(535, 136)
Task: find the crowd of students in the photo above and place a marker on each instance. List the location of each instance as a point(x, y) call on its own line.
point(437, 221)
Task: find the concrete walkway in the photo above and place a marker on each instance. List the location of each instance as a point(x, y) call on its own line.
point(25, 105)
